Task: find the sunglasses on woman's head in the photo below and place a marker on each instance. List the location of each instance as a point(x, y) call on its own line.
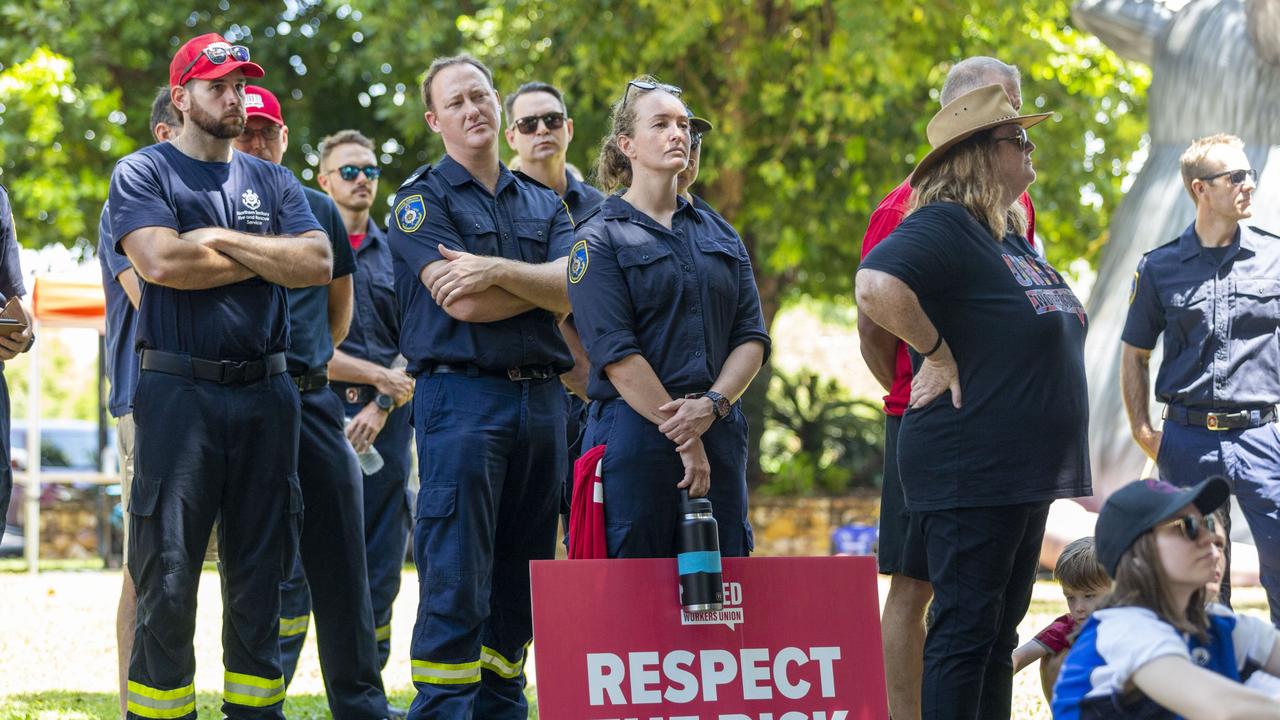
point(1192, 526)
point(529, 125)
point(646, 86)
point(351, 172)
point(1235, 176)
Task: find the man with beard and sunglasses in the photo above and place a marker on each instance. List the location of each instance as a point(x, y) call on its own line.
point(328, 572)
point(1214, 295)
point(120, 285)
point(479, 257)
point(540, 131)
point(215, 237)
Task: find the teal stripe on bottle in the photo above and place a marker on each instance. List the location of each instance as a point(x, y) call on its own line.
point(699, 562)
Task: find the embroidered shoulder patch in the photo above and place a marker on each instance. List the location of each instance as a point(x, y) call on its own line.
point(578, 262)
point(410, 212)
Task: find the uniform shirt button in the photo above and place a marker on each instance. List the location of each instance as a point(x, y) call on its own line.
point(697, 353)
point(644, 257)
point(477, 226)
point(687, 268)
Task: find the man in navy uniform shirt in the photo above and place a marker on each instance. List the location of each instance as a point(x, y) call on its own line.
point(539, 129)
point(480, 278)
point(328, 572)
point(123, 292)
point(215, 236)
point(365, 372)
point(1214, 293)
point(11, 344)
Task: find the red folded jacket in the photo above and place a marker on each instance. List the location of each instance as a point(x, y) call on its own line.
point(586, 509)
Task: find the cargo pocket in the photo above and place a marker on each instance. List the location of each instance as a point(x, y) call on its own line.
point(436, 501)
point(294, 507)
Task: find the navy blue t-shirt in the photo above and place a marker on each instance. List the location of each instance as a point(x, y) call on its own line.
point(10, 269)
point(375, 322)
point(1219, 312)
point(122, 354)
point(521, 221)
point(1017, 333)
point(159, 186)
point(682, 298)
point(310, 344)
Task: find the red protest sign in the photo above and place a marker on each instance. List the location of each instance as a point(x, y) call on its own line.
point(798, 639)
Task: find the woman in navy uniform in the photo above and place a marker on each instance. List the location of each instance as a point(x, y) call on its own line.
point(665, 301)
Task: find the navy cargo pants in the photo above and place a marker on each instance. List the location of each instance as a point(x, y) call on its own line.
point(386, 520)
point(491, 458)
point(206, 448)
point(641, 469)
point(329, 574)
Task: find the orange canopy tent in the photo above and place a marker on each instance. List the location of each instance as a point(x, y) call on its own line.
point(58, 301)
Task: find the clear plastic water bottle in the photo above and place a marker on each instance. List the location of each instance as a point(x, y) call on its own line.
point(698, 556)
point(370, 460)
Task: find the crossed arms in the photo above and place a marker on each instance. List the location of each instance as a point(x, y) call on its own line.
point(213, 257)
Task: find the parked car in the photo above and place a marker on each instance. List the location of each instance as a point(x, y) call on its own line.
point(64, 445)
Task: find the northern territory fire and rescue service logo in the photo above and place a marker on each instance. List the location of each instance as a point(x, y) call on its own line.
point(578, 262)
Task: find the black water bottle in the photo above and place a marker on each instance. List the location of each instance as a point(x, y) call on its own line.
point(698, 556)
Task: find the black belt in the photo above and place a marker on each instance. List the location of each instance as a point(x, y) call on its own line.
point(227, 372)
point(355, 394)
point(516, 374)
point(313, 379)
point(1222, 419)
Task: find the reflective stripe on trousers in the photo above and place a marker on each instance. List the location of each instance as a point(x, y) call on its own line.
point(253, 691)
point(161, 704)
point(294, 625)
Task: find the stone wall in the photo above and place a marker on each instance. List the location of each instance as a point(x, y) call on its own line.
point(803, 526)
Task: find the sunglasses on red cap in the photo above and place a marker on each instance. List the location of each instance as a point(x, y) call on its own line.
point(217, 53)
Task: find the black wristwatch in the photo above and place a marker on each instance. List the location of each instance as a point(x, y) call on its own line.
point(719, 404)
point(384, 402)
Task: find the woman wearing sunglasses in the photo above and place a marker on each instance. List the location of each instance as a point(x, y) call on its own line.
point(996, 425)
point(1153, 649)
point(666, 305)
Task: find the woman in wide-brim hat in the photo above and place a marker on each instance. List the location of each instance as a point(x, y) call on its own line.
point(997, 423)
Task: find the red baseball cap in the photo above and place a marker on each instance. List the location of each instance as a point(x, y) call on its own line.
point(259, 102)
point(191, 62)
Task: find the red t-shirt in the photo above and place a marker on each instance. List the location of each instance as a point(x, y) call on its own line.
point(356, 240)
point(884, 220)
point(1057, 637)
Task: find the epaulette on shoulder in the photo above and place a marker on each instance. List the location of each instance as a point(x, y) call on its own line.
point(1260, 231)
point(1162, 246)
point(529, 179)
point(579, 222)
point(413, 177)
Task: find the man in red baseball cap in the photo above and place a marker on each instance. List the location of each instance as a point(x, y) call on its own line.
point(215, 237)
point(328, 573)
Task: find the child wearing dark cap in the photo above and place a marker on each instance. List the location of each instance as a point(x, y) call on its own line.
point(1154, 649)
point(1084, 583)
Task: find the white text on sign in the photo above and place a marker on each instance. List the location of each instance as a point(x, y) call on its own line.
point(652, 678)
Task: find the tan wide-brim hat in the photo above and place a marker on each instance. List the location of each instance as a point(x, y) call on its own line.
point(967, 115)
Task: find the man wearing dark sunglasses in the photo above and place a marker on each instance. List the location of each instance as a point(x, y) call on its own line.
point(540, 131)
point(215, 237)
point(327, 573)
point(1214, 295)
point(366, 372)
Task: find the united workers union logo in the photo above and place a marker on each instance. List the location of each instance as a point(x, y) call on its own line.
point(410, 213)
point(578, 262)
point(731, 616)
point(251, 200)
